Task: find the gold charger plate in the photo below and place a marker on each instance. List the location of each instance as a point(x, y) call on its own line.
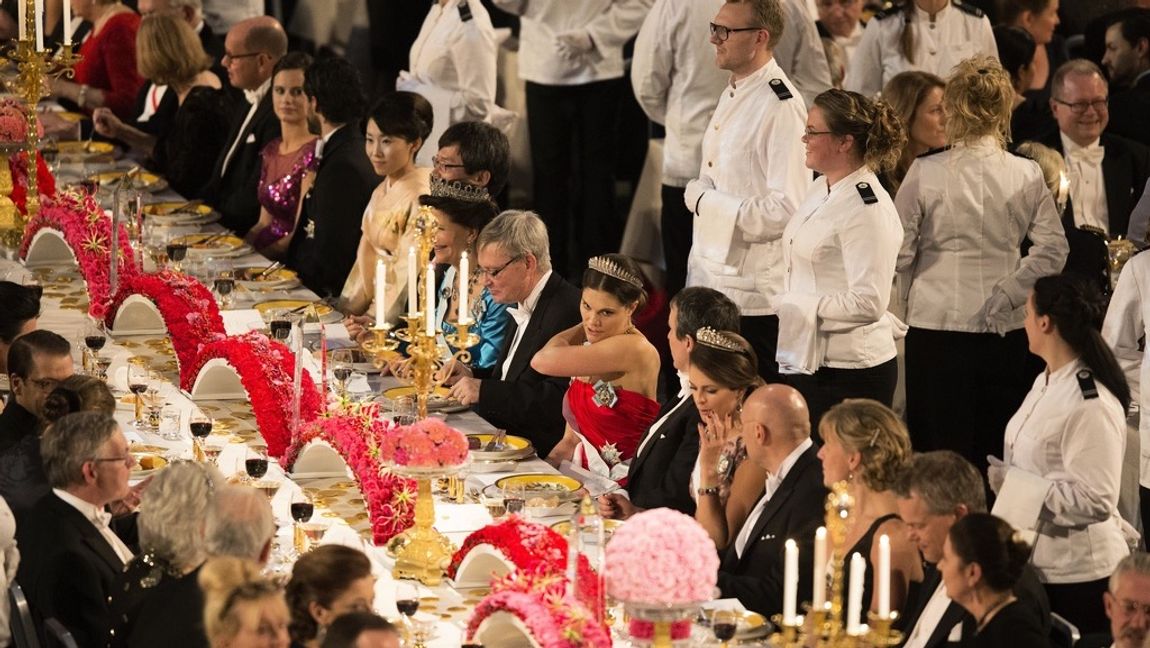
point(540, 482)
point(297, 305)
point(396, 393)
point(76, 147)
point(143, 180)
point(257, 278)
point(204, 243)
point(173, 209)
point(73, 117)
point(563, 527)
point(517, 448)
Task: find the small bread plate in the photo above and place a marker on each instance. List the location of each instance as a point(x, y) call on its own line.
point(326, 313)
point(74, 149)
point(147, 464)
point(214, 245)
point(547, 497)
point(258, 278)
point(142, 180)
point(563, 527)
point(179, 213)
point(515, 448)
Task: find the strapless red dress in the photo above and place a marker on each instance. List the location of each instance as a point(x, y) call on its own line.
point(610, 422)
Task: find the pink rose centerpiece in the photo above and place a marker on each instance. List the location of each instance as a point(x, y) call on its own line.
point(427, 445)
point(541, 608)
point(662, 565)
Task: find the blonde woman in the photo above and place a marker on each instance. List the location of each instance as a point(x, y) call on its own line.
point(242, 608)
point(965, 212)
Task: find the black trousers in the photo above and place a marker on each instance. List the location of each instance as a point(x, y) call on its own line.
point(1080, 604)
point(1144, 505)
point(573, 164)
point(828, 387)
point(762, 331)
point(676, 222)
point(962, 389)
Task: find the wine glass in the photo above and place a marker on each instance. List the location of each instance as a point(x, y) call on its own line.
point(138, 384)
point(724, 624)
point(224, 284)
point(50, 152)
point(301, 512)
point(257, 466)
point(407, 602)
point(280, 324)
point(341, 361)
point(514, 499)
point(94, 339)
point(177, 250)
point(200, 425)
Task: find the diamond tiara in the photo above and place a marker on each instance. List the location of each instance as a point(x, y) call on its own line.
point(717, 340)
point(612, 269)
point(457, 190)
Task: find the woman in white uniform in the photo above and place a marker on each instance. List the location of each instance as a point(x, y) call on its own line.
point(836, 339)
point(1071, 432)
point(928, 35)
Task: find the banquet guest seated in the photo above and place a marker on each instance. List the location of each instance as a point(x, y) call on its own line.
point(866, 445)
point(156, 105)
point(37, 362)
point(722, 373)
point(242, 607)
point(396, 130)
point(106, 75)
point(916, 97)
point(1127, 603)
point(71, 559)
point(20, 315)
point(169, 54)
point(240, 524)
point(928, 35)
point(1039, 18)
point(361, 630)
point(935, 490)
point(322, 248)
point(660, 473)
point(615, 371)
point(284, 160)
point(1127, 61)
point(1107, 173)
point(776, 433)
point(513, 259)
point(252, 48)
point(1029, 119)
point(328, 581)
point(9, 562)
point(982, 560)
point(836, 339)
point(1071, 432)
point(967, 368)
point(157, 600)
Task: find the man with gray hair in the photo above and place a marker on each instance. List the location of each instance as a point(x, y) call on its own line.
point(514, 263)
point(1128, 601)
point(71, 559)
point(935, 490)
point(240, 524)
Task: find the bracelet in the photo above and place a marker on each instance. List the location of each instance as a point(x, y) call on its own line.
point(82, 95)
point(710, 490)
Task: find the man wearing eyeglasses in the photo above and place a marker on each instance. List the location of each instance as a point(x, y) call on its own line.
point(70, 557)
point(752, 175)
point(1127, 603)
point(37, 362)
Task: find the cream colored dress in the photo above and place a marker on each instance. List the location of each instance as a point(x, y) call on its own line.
point(388, 223)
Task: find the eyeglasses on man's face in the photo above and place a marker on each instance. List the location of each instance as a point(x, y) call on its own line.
point(1079, 107)
point(495, 273)
point(442, 165)
point(722, 32)
point(229, 57)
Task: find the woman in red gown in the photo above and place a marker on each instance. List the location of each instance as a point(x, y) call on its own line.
point(614, 371)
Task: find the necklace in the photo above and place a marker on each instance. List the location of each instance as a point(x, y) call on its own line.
point(1006, 600)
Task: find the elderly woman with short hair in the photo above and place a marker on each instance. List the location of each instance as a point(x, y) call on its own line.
point(158, 601)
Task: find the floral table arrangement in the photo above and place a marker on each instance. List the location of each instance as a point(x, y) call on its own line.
point(541, 609)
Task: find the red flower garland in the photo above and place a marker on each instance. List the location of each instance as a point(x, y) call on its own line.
point(355, 433)
point(552, 617)
point(265, 368)
point(45, 181)
point(534, 549)
point(88, 231)
point(189, 310)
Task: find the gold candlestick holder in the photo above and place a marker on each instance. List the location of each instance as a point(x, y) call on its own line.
point(421, 552)
point(382, 345)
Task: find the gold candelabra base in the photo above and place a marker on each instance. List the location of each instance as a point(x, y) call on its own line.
point(382, 346)
point(424, 553)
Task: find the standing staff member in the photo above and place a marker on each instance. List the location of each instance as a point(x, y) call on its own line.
point(835, 336)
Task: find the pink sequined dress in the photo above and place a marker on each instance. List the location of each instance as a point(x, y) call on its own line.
point(279, 190)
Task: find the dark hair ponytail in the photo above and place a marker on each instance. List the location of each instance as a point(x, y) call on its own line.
point(1077, 310)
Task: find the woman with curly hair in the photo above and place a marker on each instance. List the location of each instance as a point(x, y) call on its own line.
point(242, 608)
point(327, 582)
point(866, 445)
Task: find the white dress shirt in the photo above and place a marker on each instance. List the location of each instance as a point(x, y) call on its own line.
point(965, 212)
point(522, 315)
point(99, 519)
point(753, 153)
point(676, 81)
point(254, 98)
point(684, 396)
point(1123, 330)
point(772, 485)
point(800, 52)
point(929, 618)
point(1087, 187)
point(850, 42)
point(1077, 444)
point(955, 34)
point(838, 258)
point(610, 23)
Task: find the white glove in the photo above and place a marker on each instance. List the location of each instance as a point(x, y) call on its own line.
point(695, 190)
point(995, 473)
point(999, 312)
point(574, 44)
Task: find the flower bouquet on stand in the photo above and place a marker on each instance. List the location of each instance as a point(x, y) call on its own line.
point(536, 607)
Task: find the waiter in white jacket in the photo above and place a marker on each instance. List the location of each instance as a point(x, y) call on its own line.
point(752, 176)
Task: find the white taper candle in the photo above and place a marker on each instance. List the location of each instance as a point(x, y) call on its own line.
point(819, 599)
point(854, 598)
point(67, 23)
point(380, 292)
point(412, 278)
point(429, 300)
point(790, 583)
point(883, 576)
point(464, 287)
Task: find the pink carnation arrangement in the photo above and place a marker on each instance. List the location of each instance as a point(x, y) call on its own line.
point(661, 537)
point(14, 122)
point(429, 443)
point(552, 617)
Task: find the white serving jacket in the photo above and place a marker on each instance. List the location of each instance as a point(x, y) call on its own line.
point(1125, 325)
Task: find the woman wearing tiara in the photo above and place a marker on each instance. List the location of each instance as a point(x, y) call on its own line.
point(614, 371)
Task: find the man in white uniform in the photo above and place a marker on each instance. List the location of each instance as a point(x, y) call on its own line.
point(752, 175)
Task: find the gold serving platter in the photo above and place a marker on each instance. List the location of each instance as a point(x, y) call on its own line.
point(296, 305)
point(142, 180)
point(532, 483)
point(77, 147)
point(208, 243)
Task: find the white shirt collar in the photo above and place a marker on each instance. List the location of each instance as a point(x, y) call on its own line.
point(754, 77)
point(787, 464)
point(1069, 146)
point(919, 14)
point(254, 97)
point(684, 384)
point(528, 305)
point(95, 514)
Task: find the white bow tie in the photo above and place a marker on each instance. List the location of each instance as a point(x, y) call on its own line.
point(1091, 155)
point(102, 519)
point(253, 96)
point(521, 316)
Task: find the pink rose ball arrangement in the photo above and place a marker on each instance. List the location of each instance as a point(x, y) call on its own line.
point(664, 557)
point(13, 121)
point(429, 443)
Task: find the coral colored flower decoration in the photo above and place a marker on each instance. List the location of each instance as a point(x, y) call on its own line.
point(14, 122)
point(355, 433)
point(540, 602)
point(45, 181)
point(429, 443)
point(661, 537)
point(265, 368)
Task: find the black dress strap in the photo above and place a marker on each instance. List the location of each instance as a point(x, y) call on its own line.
point(863, 547)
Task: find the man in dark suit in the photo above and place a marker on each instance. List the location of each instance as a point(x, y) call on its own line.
point(777, 435)
point(323, 247)
point(251, 50)
point(70, 558)
point(936, 490)
point(660, 473)
point(514, 261)
point(1127, 61)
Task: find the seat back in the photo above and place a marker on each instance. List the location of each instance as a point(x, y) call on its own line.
point(1063, 634)
point(20, 619)
point(57, 635)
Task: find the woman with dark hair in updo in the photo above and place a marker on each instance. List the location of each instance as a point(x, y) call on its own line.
point(615, 370)
point(78, 393)
point(982, 559)
point(836, 339)
point(327, 582)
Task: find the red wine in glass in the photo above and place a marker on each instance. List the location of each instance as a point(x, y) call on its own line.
point(257, 467)
point(407, 607)
point(138, 388)
point(302, 511)
point(224, 286)
point(177, 252)
point(94, 342)
point(724, 631)
point(200, 429)
point(341, 373)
